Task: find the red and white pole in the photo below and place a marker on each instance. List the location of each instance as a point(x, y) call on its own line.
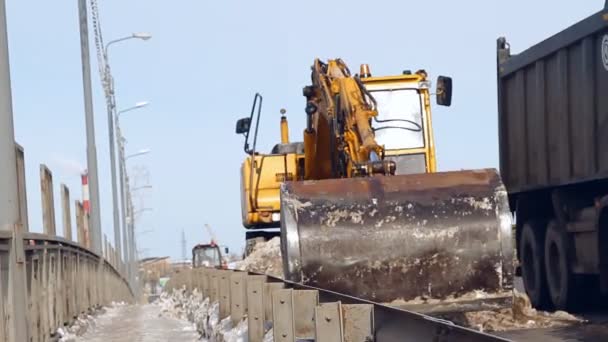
point(85, 192)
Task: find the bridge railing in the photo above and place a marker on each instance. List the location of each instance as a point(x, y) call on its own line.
point(47, 282)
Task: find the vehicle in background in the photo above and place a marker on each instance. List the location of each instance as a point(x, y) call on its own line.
point(553, 137)
point(209, 255)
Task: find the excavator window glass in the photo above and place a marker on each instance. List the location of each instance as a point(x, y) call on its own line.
point(206, 257)
point(399, 122)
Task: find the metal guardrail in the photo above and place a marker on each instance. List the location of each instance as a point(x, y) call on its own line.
point(299, 312)
point(46, 282)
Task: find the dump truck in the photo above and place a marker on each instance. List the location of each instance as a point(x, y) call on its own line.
point(361, 207)
point(553, 119)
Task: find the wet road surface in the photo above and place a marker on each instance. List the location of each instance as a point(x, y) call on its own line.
point(139, 323)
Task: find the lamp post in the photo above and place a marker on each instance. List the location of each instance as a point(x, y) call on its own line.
point(122, 169)
point(111, 108)
point(130, 213)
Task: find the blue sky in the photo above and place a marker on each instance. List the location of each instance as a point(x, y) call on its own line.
point(205, 62)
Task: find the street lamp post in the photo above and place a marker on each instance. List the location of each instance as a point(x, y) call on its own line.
point(130, 213)
point(111, 108)
point(121, 167)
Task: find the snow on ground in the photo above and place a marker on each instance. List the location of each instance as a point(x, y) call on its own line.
point(265, 258)
point(204, 315)
point(84, 322)
point(520, 316)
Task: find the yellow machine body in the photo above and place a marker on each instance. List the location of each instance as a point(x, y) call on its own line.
point(260, 182)
point(361, 208)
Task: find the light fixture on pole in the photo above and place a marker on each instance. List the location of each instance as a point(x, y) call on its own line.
point(136, 106)
point(135, 35)
point(141, 188)
point(139, 153)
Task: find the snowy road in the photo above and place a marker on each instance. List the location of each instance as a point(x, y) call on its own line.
point(140, 323)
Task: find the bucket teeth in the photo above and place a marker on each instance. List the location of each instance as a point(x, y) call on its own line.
point(407, 240)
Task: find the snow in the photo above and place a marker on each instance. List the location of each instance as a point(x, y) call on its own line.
point(265, 258)
point(204, 316)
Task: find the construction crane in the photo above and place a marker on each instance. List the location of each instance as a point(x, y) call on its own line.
point(360, 206)
point(211, 233)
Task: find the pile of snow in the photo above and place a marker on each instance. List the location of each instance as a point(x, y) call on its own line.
point(265, 258)
point(521, 316)
point(204, 315)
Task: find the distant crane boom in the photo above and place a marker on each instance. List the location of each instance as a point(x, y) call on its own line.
point(211, 233)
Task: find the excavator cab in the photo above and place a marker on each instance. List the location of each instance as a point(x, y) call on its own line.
point(208, 255)
point(403, 124)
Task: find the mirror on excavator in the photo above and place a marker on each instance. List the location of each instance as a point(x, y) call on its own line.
point(242, 125)
point(444, 91)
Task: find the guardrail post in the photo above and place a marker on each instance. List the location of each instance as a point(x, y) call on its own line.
point(79, 222)
point(17, 290)
point(104, 251)
point(255, 307)
point(358, 322)
point(67, 220)
point(214, 285)
point(48, 205)
point(224, 287)
point(21, 188)
point(44, 317)
point(71, 289)
point(34, 295)
point(304, 303)
point(269, 289)
point(282, 316)
point(205, 289)
point(238, 297)
point(328, 322)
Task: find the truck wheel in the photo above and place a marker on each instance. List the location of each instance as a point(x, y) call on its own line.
point(531, 255)
point(560, 280)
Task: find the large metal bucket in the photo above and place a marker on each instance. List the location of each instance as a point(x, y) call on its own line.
point(429, 242)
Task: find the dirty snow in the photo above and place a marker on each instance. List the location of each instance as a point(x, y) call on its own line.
point(520, 316)
point(126, 323)
point(265, 258)
point(84, 322)
point(203, 315)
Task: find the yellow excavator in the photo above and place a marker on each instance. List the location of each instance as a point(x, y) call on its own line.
point(360, 206)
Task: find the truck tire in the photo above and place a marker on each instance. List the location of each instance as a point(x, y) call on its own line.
point(532, 259)
point(560, 279)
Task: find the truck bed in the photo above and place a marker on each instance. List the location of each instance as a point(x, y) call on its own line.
point(553, 108)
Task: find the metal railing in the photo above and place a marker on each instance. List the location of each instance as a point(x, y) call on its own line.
point(297, 311)
point(47, 282)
